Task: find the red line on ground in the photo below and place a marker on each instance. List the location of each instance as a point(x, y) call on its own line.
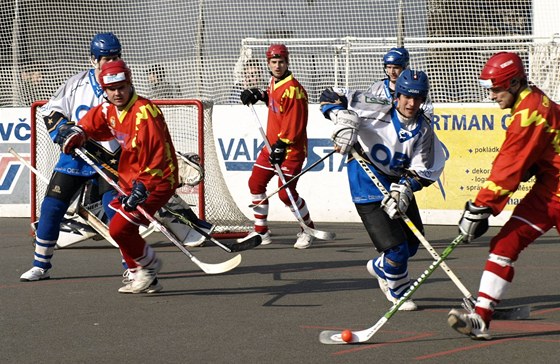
point(464, 348)
point(375, 346)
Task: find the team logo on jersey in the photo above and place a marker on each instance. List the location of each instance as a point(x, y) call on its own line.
point(375, 100)
point(112, 121)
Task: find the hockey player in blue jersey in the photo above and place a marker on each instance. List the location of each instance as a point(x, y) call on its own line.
point(70, 102)
point(405, 155)
point(395, 61)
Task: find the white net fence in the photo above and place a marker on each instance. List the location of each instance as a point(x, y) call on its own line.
point(202, 46)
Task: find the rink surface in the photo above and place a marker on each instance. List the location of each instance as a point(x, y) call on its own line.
point(270, 309)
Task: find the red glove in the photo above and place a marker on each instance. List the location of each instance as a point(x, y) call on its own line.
point(70, 138)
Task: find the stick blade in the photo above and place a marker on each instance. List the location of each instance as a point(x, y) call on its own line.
point(331, 337)
point(219, 267)
point(512, 313)
point(246, 244)
point(321, 235)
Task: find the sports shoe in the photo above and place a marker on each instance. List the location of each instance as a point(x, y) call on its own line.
point(470, 324)
point(304, 240)
point(153, 288)
point(35, 274)
point(145, 276)
point(128, 277)
point(408, 305)
point(265, 238)
point(381, 281)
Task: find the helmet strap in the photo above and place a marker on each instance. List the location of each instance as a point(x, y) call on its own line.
point(94, 62)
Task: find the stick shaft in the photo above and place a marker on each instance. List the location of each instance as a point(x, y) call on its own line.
point(294, 178)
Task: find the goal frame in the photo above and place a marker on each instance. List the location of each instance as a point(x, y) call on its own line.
point(201, 198)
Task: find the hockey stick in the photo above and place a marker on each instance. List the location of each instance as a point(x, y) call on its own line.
point(247, 244)
point(84, 213)
point(250, 243)
point(293, 179)
point(335, 337)
point(323, 235)
point(520, 312)
point(206, 267)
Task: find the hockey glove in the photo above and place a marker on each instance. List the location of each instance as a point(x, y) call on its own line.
point(474, 221)
point(399, 198)
point(332, 99)
point(137, 196)
point(253, 95)
point(70, 137)
point(190, 170)
point(345, 133)
point(278, 152)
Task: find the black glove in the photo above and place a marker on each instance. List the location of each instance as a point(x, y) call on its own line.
point(70, 137)
point(474, 221)
point(331, 96)
point(253, 95)
point(278, 153)
point(137, 196)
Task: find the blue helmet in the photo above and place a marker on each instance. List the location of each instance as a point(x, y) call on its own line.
point(105, 45)
point(412, 83)
point(396, 56)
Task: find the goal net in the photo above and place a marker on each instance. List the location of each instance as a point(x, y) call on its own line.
point(202, 46)
point(190, 125)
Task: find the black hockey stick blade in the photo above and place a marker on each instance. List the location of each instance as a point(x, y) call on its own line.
point(512, 313)
point(246, 244)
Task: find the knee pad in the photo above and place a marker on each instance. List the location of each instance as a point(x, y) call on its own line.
point(500, 266)
point(52, 212)
point(395, 259)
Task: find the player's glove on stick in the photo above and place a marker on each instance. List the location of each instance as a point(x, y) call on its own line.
point(253, 95)
point(70, 137)
point(474, 221)
point(346, 127)
point(400, 195)
point(278, 152)
point(137, 196)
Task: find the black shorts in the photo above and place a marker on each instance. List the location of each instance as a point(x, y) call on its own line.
point(386, 233)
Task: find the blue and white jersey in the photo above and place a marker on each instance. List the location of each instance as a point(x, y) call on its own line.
point(394, 145)
point(380, 89)
point(73, 99)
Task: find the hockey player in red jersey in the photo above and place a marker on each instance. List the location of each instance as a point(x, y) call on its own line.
point(287, 132)
point(148, 171)
point(531, 148)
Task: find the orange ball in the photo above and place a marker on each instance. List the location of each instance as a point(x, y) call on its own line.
point(346, 335)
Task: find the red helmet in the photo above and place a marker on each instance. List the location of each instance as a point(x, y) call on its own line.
point(500, 69)
point(114, 73)
point(277, 51)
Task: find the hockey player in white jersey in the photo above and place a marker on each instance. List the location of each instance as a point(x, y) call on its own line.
point(70, 102)
point(395, 61)
point(405, 155)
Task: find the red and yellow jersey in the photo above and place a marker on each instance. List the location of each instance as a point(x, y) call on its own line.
point(532, 146)
point(148, 154)
point(287, 116)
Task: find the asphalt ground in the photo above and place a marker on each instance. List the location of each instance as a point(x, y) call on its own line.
point(270, 309)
